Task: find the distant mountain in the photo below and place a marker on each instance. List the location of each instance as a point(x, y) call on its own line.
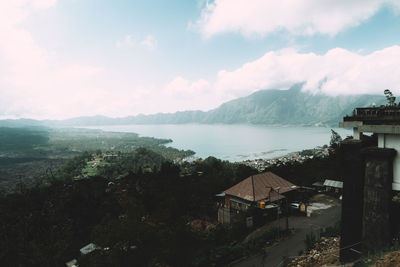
point(267, 107)
point(21, 123)
point(290, 107)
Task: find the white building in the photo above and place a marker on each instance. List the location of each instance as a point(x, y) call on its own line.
point(383, 121)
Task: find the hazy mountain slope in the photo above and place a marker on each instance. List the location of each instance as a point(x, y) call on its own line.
point(283, 107)
point(20, 123)
point(289, 107)
point(160, 118)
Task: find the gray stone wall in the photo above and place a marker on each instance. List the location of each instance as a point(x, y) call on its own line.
point(367, 199)
point(352, 171)
point(376, 227)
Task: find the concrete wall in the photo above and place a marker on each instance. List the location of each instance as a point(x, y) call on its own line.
point(376, 233)
point(224, 215)
point(353, 198)
point(393, 141)
point(367, 215)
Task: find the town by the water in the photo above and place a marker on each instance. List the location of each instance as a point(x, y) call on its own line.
point(299, 157)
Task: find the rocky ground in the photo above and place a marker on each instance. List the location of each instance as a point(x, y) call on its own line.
point(325, 253)
point(389, 260)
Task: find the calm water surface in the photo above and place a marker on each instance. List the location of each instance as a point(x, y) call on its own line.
point(234, 142)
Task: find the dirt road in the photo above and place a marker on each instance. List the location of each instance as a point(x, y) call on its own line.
point(290, 247)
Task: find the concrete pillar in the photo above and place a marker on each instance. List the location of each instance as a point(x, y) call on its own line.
point(376, 233)
point(356, 133)
point(381, 140)
point(353, 193)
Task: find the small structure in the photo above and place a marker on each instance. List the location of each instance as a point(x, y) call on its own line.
point(72, 263)
point(89, 248)
point(336, 186)
point(261, 191)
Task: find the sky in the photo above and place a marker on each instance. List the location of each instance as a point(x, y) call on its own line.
point(67, 58)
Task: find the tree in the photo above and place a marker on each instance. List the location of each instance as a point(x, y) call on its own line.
point(390, 98)
point(335, 139)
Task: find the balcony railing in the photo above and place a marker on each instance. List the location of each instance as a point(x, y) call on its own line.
point(375, 115)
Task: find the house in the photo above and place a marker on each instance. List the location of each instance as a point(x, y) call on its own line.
point(263, 191)
point(332, 185)
point(265, 187)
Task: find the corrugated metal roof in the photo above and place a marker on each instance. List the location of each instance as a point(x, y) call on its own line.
point(88, 248)
point(333, 183)
point(318, 184)
point(261, 186)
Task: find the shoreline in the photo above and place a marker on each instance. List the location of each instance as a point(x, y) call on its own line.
point(300, 156)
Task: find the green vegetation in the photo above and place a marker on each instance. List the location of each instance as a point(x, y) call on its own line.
point(136, 205)
point(391, 99)
point(95, 140)
point(142, 217)
point(311, 170)
point(16, 141)
point(335, 139)
point(33, 155)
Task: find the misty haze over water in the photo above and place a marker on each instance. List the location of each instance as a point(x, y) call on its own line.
point(234, 142)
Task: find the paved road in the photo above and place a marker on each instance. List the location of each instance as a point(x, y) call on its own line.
point(291, 246)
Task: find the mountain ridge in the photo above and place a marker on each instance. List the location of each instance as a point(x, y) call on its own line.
point(264, 107)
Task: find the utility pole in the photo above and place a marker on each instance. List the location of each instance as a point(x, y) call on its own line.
point(279, 209)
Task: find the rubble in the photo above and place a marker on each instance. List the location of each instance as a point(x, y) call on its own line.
point(390, 259)
point(325, 253)
point(201, 225)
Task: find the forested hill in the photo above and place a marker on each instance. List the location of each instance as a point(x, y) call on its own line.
point(267, 107)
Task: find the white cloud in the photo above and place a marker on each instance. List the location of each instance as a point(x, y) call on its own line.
point(36, 82)
point(43, 4)
point(336, 72)
point(126, 42)
point(33, 80)
point(178, 94)
point(182, 94)
point(299, 17)
point(339, 71)
point(149, 43)
point(180, 86)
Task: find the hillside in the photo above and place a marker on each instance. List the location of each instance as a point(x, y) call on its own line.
point(266, 107)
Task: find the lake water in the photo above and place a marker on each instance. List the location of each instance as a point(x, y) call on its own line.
point(234, 142)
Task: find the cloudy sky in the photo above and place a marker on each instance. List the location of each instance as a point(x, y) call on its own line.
point(67, 58)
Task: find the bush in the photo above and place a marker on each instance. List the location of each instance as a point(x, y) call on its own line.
point(311, 240)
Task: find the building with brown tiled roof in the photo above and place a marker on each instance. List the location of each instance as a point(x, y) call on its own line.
point(262, 190)
point(264, 187)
